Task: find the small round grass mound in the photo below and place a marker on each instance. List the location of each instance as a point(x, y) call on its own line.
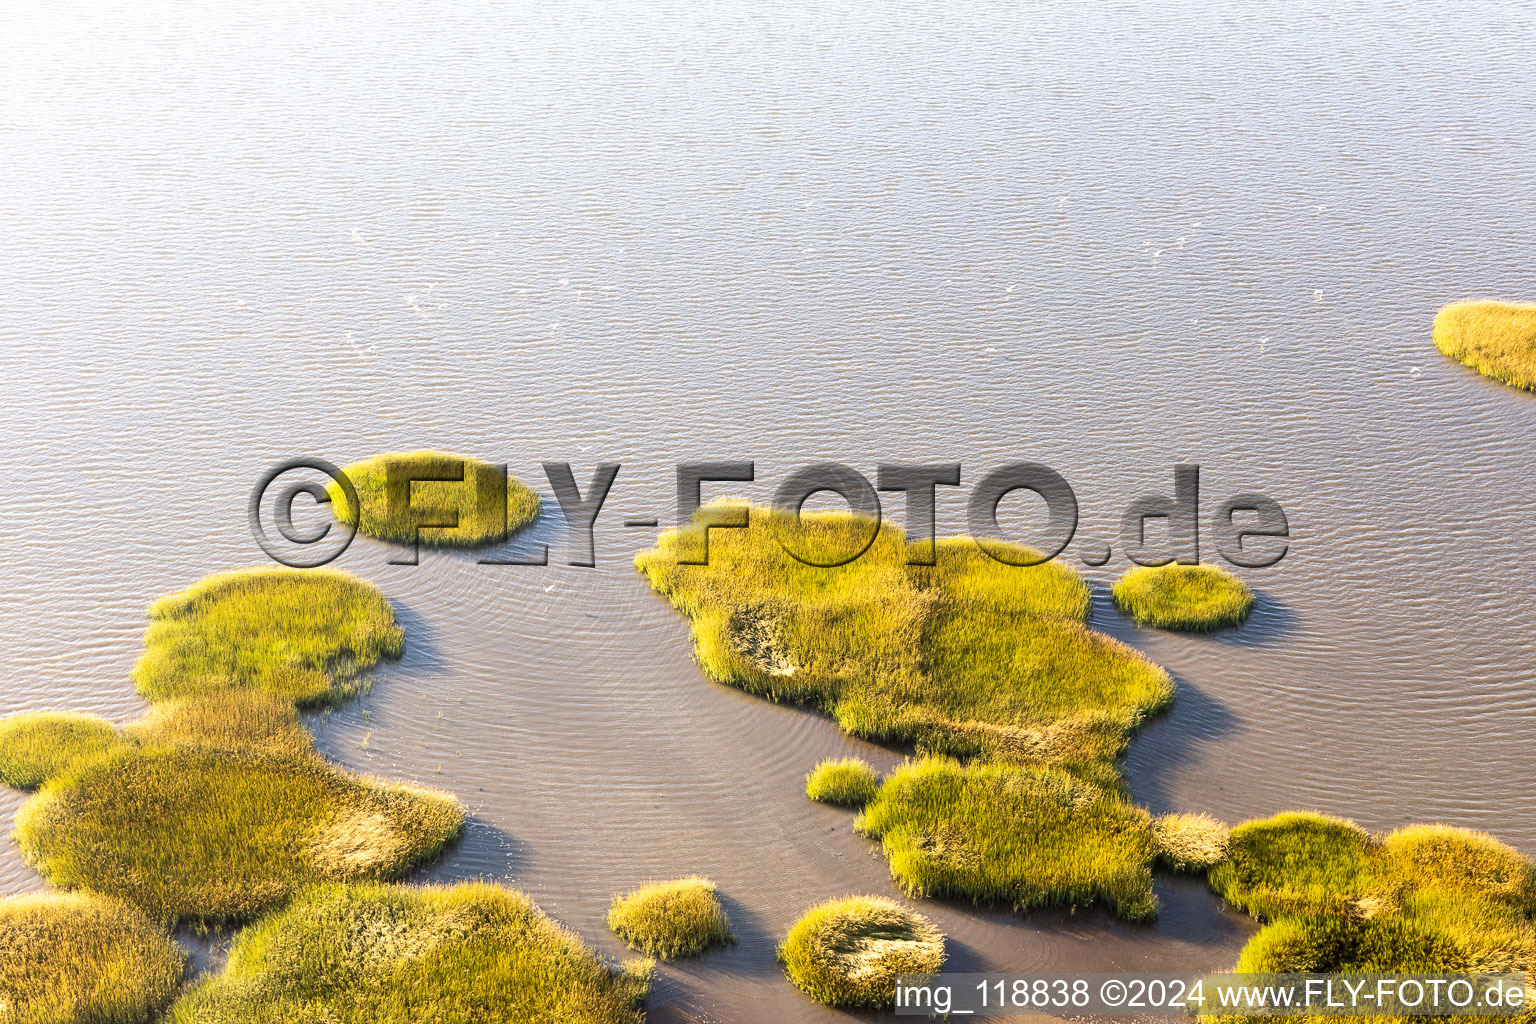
point(1497, 339)
point(1458, 861)
point(1024, 836)
point(1296, 864)
point(671, 919)
point(231, 720)
point(848, 952)
point(75, 958)
point(485, 514)
point(36, 746)
point(381, 954)
point(302, 635)
point(195, 834)
point(1187, 597)
point(849, 781)
point(1191, 842)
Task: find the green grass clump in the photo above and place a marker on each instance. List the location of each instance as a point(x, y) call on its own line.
point(1189, 597)
point(72, 958)
point(671, 919)
point(36, 746)
point(486, 514)
point(1498, 339)
point(376, 954)
point(849, 781)
point(848, 952)
point(968, 657)
point(1424, 898)
point(187, 833)
point(302, 635)
point(1296, 864)
point(1191, 842)
point(229, 720)
point(1029, 836)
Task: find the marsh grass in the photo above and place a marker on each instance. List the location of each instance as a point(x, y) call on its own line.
point(1025, 836)
point(1423, 898)
point(849, 781)
point(1191, 842)
point(193, 834)
point(36, 746)
point(377, 954)
point(671, 919)
point(487, 511)
point(969, 657)
point(302, 635)
point(1498, 339)
point(231, 720)
point(1185, 597)
point(72, 958)
point(848, 952)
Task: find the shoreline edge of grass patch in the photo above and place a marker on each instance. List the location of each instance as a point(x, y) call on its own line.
point(442, 499)
point(847, 952)
point(1193, 598)
point(673, 919)
point(1497, 339)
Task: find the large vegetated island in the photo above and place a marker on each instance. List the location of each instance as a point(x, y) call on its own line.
point(1018, 711)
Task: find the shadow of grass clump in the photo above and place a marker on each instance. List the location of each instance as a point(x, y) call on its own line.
point(486, 506)
point(107, 963)
point(377, 954)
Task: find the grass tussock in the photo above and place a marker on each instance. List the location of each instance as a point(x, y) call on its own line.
point(187, 833)
point(231, 720)
point(848, 952)
point(849, 781)
point(671, 919)
point(1191, 842)
point(487, 510)
point(1424, 898)
point(36, 746)
point(302, 635)
point(1028, 836)
point(1188, 597)
point(1498, 339)
point(71, 958)
point(376, 954)
point(969, 657)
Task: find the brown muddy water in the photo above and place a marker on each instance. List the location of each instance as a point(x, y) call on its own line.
point(1108, 238)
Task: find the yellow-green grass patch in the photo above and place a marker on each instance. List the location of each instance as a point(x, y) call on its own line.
point(376, 954)
point(486, 508)
point(1498, 339)
point(229, 720)
point(1187, 597)
point(849, 781)
point(1025, 836)
point(848, 952)
point(969, 657)
point(671, 919)
point(1461, 895)
point(302, 635)
point(198, 834)
point(74, 958)
point(35, 746)
point(1190, 842)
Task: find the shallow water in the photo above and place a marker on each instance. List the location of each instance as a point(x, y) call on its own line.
point(1106, 239)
